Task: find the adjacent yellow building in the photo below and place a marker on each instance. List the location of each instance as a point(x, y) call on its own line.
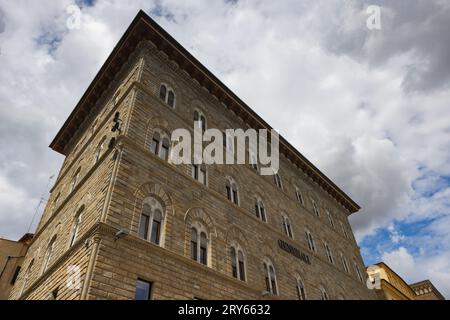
point(388, 285)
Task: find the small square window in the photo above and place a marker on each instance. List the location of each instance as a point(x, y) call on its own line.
point(143, 290)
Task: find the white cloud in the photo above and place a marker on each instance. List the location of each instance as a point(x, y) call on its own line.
point(310, 68)
point(413, 269)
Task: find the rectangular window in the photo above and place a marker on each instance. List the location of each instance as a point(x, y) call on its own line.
point(156, 229)
point(234, 269)
point(164, 152)
point(242, 270)
point(202, 176)
point(228, 192)
point(143, 226)
point(195, 171)
point(154, 146)
point(143, 290)
point(194, 250)
point(203, 255)
point(235, 197)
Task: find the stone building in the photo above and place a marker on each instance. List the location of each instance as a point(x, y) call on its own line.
point(388, 285)
point(12, 254)
point(425, 290)
point(123, 222)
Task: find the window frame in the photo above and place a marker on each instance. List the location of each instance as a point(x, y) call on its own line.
point(301, 290)
point(310, 241)
point(330, 218)
point(287, 226)
point(260, 210)
point(154, 206)
point(48, 254)
point(199, 231)
point(299, 196)
point(150, 289)
point(200, 117)
point(270, 277)
point(241, 269)
point(232, 191)
point(315, 208)
point(160, 140)
point(165, 97)
point(75, 227)
point(196, 169)
point(328, 253)
point(278, 181)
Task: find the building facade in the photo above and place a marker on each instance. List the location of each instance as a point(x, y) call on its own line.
point(388, 285)
point(12, 254)
point(425, 290)
point(123, 222)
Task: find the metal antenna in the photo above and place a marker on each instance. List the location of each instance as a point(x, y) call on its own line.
point(41, 201)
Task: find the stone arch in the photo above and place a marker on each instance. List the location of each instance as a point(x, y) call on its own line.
point(150, 189)
point(236, 234)
point(197, 104)
point(166, 78)
point(193, 218)
point(200, 215)
point(157, 122)
point(266, 250)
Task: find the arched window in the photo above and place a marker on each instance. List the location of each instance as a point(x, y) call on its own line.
point(315, 208)
point(344, 231)
point(310, 241)
point(94, 127)
point(171, 99)
point(328, 252)
point(253, 160)
point(358, 272)
point(287, 226)
point(48, 254)
point(299, 196)
point(238, 263)
point(228, 142)
point(199, 173)
point(200, 120)
point(323, 294)
point(330, 219)
point(277, 180)
point(203, 248)
point(194, 244)
point(99, 150)
point(75, 179)
point(199, 244)
point(301, 292)
point(260, 210)
point(167, 95)
point(163, 92)
point(344, 263)
point(160, 145)
point(55, 202)
point(27, 276)
point(75, 227)
point(270, 276)
point(232, 191)
point(151, 221)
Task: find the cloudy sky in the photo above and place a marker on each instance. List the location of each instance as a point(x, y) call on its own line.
point(371, 108)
